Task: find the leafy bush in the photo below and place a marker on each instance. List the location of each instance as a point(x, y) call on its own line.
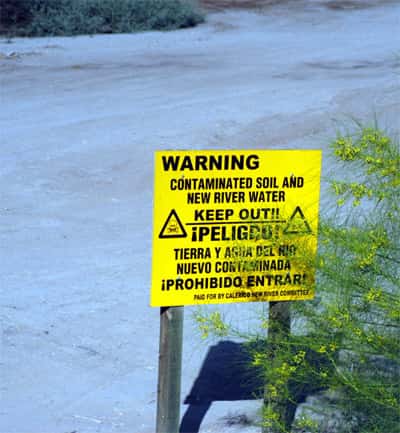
point(355, 320)
point(347, 340)
point(15, 13)
point(74, 17)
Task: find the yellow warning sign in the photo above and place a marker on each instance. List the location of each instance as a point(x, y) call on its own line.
point(234, 226)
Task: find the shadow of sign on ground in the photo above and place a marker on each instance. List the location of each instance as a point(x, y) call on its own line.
point(226, 375)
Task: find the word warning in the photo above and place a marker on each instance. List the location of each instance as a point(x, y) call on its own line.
point(234, 226)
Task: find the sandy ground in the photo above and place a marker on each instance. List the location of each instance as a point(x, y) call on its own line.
point(80, 119)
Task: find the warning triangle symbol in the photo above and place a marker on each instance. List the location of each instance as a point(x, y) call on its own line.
point(297, 224)
point(172, 228)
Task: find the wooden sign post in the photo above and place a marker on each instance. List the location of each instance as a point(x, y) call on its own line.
point(278, 334)
point(169, 370)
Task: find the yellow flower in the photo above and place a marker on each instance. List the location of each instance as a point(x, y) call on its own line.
point(258, 359)
point(299, 357)
point(273, 392)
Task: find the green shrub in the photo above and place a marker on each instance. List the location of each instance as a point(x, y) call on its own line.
point(15, 13)
point(74, 17)
point(347, 340)
point(355, 319)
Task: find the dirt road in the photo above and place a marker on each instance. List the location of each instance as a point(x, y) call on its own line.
point(80, 120)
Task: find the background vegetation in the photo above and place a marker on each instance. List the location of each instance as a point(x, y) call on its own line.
point(344, 346)
point(74, 17)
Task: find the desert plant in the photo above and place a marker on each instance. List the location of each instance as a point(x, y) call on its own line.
point(74, 17)
point(14, 13)
point(355, 319)
point(345, 343)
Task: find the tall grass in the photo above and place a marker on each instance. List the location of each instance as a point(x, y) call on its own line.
point(74, 17)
